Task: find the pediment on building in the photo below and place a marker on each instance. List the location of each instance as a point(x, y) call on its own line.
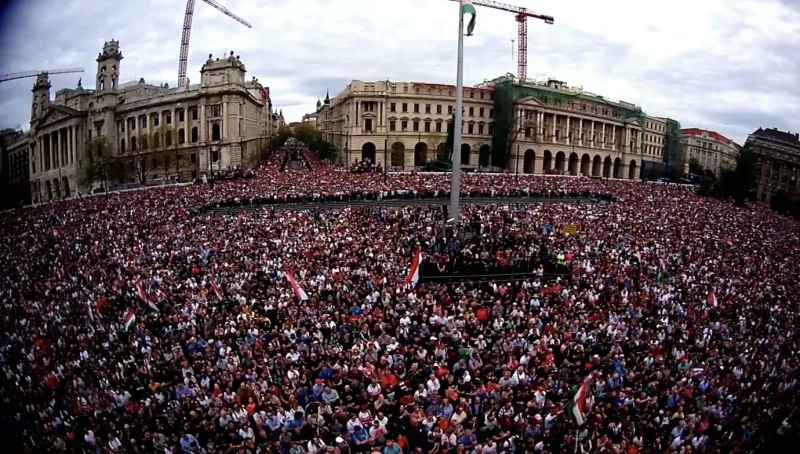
point(392, 118)
point(368, 115)
point(530, 101)
point(633, 121)
point(54, 114)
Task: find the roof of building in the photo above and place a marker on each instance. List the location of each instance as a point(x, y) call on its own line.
point(775, 134)
point(699, 132)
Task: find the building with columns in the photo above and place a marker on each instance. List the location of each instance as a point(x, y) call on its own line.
point(152, 133)
point(14, 168)
point(542, 126)
point(712, 150)
point(778, 161)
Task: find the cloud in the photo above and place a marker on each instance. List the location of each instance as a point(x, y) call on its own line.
point(719, 64)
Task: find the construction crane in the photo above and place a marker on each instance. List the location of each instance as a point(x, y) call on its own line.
point(34, 73)
point(522, 16)
point(183, 60)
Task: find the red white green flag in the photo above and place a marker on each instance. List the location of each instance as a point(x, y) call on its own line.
point(129, 320)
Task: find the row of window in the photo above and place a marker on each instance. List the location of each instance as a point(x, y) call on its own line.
point(415, 127)
point(439, 109)
point(212, 111)
point(142, 142)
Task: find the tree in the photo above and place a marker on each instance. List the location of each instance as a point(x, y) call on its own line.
point(694, 167)
point(101, 165)
point(740, 182)
point(781, 202)
point(307, 134)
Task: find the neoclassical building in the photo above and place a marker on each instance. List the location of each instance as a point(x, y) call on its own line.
point(153, 132)
point(712, 150)
point(544, 126)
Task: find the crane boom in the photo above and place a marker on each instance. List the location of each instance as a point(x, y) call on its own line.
point(183, 58)
point(521, 16)
point(36, 72)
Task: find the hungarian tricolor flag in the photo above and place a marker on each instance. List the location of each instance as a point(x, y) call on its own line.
point(129, 320)
point(152, 306)
point(140, 291)
point(712, 299)
point(413, 271)
point(216, 288)
point(576, 406)
point(298, 291)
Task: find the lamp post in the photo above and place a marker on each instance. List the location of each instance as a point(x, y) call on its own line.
point(385, 162)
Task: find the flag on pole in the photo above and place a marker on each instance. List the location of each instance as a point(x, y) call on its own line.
point(216, 288)
point(467, 8)
point(140, 290)
point(576, 406)
point(152, 306)
point(413, 272)
point(129, 320)
point(712, 299)
point(298, 291)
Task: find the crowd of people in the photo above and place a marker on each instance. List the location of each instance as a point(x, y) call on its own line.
point(137, 322)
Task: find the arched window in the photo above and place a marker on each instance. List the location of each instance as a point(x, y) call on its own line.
point(122, 146)
point(194, 134)
point(181, 136)
point(156, 140)
point(133, 143)
point(215, 132)
point(144, 143)
point(169, 139)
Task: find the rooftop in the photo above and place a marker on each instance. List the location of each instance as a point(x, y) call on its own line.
point(775, 134)
point(704, 132)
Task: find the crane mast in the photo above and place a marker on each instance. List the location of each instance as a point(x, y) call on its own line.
point(521, 16)
point(183, 58)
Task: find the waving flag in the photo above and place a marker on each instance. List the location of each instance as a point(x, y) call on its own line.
point(467, 8)
point(577, 406)
point(140, 291)
point(413, 272)
point(129, 320)
point(712, 299)
point(298, 291)
point(216, 288)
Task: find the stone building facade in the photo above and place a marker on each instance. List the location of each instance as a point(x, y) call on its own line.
point(712, 150)
point(14, 169)
point(778, 161)
point(152, 132)
point(554, 128)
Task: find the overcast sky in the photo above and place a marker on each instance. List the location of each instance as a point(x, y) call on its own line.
point(725, 65)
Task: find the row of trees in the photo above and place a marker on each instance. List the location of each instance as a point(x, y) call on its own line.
point(737, 184)
point(312, 138)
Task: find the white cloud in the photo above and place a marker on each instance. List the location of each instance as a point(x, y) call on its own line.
point(719, 64)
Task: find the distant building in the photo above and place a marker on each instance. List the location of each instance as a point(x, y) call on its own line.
point(712, 150)
point(14, 187)
point(778, 161)
point(546, 126)
point(157, 133)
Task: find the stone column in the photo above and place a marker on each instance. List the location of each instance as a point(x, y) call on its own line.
point(203, 134)
point(56, 150)
point(224, 124)
point(591, 141)
point(580, 131)
point(627, 140)
point(614, 137)
point(555, 120)
point(539, 125)
point(569, 132)
point(603, 144)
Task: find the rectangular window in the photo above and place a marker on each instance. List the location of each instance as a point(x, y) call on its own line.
point(480, 112)
point(154, 120)
point(449, 110)
point(405, 107)
point(438, 126)
point(471, 111)
point(438, 108)
point(142, 121)
point(368, 125)
point(121, 126)
point(194, 113)
point(392, 125)
point(416, 108)
point(427, 126)
point(527, 132)
point(393, 107)
point(416, 126)
point(404, 125)
point(181, 116)
point(471, 94)
point(490, 129)
point(491, 113)
point(480, 129)
point(470, 128)
point(193, 158)
point(427, 108)
point(481, 95)
point(169, 118)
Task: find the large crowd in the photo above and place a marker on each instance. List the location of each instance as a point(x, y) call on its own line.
point(141, 322)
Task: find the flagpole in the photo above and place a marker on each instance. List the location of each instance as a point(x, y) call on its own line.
point(455, 184)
